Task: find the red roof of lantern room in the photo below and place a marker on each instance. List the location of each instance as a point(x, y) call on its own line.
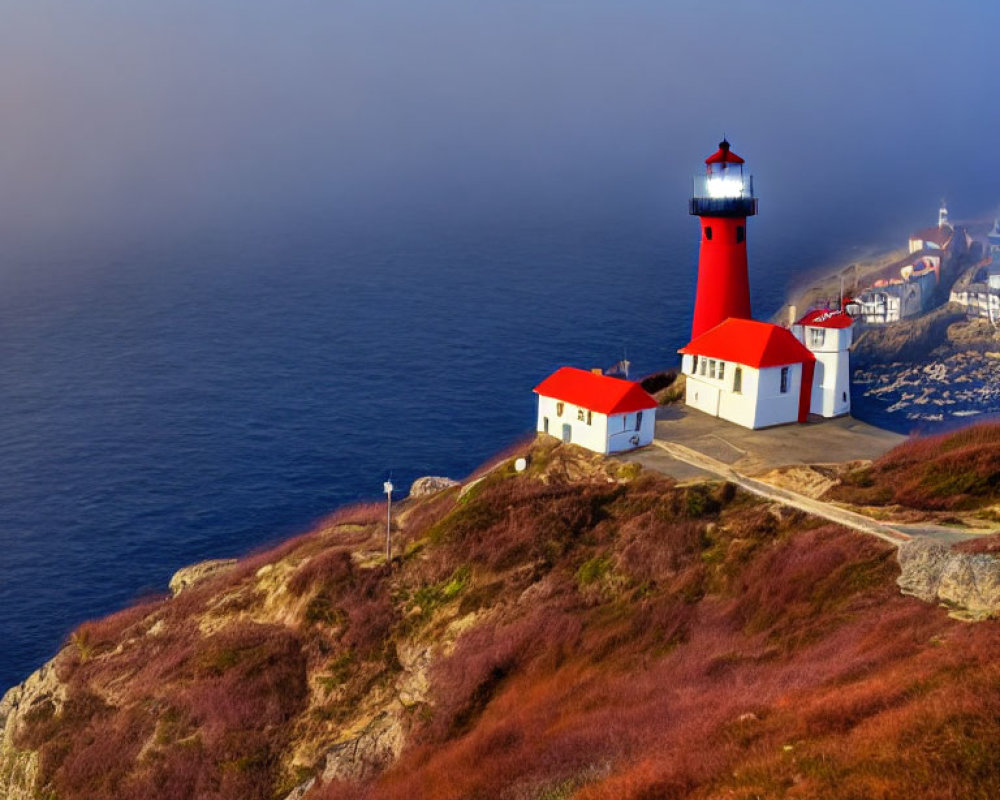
point(599, 393)
point(749, 342)
point(724, 155)
point(826, 318)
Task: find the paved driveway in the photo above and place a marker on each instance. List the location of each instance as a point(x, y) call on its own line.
point(693, 446)
point(819, 441)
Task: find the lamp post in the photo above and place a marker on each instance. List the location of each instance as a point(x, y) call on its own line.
point(387, 488)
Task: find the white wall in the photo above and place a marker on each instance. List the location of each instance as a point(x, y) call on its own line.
point(593, 436)
point(832, 378)
point(775, 407)
point(622, 433)
point(834, 339)
point(604, 434)
point(716, 397)
point(831, 390)
point(700, 394)
point(740, 407)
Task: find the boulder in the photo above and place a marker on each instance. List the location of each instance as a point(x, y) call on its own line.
point(430, 484)
point(186, 577)
point(967, 582)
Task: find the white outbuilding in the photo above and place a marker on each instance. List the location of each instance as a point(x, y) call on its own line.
point(601, 413)
point(828, 334)
point(752, 373)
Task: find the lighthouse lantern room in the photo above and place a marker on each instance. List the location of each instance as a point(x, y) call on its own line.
point(723, 199)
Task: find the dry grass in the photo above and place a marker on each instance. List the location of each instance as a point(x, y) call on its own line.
point(632, 640)
point(948, 472)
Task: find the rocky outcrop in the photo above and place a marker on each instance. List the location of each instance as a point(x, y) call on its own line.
point(968, 583)
point(430, 484)
point(369, 752)
point(186, 577)
point(41, 692)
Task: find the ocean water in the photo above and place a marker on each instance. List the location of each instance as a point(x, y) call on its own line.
point(163, 402)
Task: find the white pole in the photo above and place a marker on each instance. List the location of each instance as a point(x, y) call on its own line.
point(387, 486)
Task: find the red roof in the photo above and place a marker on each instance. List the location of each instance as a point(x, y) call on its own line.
point(723, 155)
point(826, 318)
point(749, 342)
point(940, 236)
point(599, 393)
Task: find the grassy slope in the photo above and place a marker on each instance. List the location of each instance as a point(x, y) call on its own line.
point(948, 472)
point(620, 638)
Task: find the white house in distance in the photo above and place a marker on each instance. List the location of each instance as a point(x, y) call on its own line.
point(752, 373)
point(601, 413)
point(828, 335)
point(933, 238)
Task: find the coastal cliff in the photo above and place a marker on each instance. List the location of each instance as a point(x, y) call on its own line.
point(582, 629)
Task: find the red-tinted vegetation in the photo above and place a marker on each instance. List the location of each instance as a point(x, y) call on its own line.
point(619, 639)
point(950, 471)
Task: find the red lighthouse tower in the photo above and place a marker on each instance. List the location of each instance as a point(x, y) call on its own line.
point(723, 199)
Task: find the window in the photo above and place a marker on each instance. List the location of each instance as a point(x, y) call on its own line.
point(711, 368)
point(708, 233)
point(784, 380)
point(579, 414)
point(816, 337)
point(703, 366)
point(590, 417)
point(559, 409)
point(738, 380)
point(741, 234)
point(694, 365)
point(638, 420)
point(722, 370)
point(545, 424)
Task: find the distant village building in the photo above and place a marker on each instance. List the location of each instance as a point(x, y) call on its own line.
point(993, 237)
point(980, 294)
point(936, 238)
point(601, 413)
point(828, 334)
point(752, 373)
point(915, 290)
point(892, 301)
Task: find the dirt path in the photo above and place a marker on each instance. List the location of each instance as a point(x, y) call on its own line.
point(789, 498)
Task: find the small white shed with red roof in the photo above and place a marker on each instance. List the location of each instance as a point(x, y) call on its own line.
point(752, 373)
point(601, 413)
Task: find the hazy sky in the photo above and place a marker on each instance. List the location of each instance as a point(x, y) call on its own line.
point(173, 114)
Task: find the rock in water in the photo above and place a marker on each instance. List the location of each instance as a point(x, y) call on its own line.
point(430, 484)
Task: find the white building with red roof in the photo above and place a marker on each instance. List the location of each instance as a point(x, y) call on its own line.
point(828, 335)
point(752, 373)
point(601, 413)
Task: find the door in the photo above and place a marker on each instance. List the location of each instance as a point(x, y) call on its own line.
point(567, 433)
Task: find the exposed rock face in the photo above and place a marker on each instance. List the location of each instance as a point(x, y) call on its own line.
point(430, 484)
point(186, 577)
point(19, 768)
point(371, 751)
point(968, 582)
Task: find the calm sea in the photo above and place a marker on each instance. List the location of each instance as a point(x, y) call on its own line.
point(166, 403)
